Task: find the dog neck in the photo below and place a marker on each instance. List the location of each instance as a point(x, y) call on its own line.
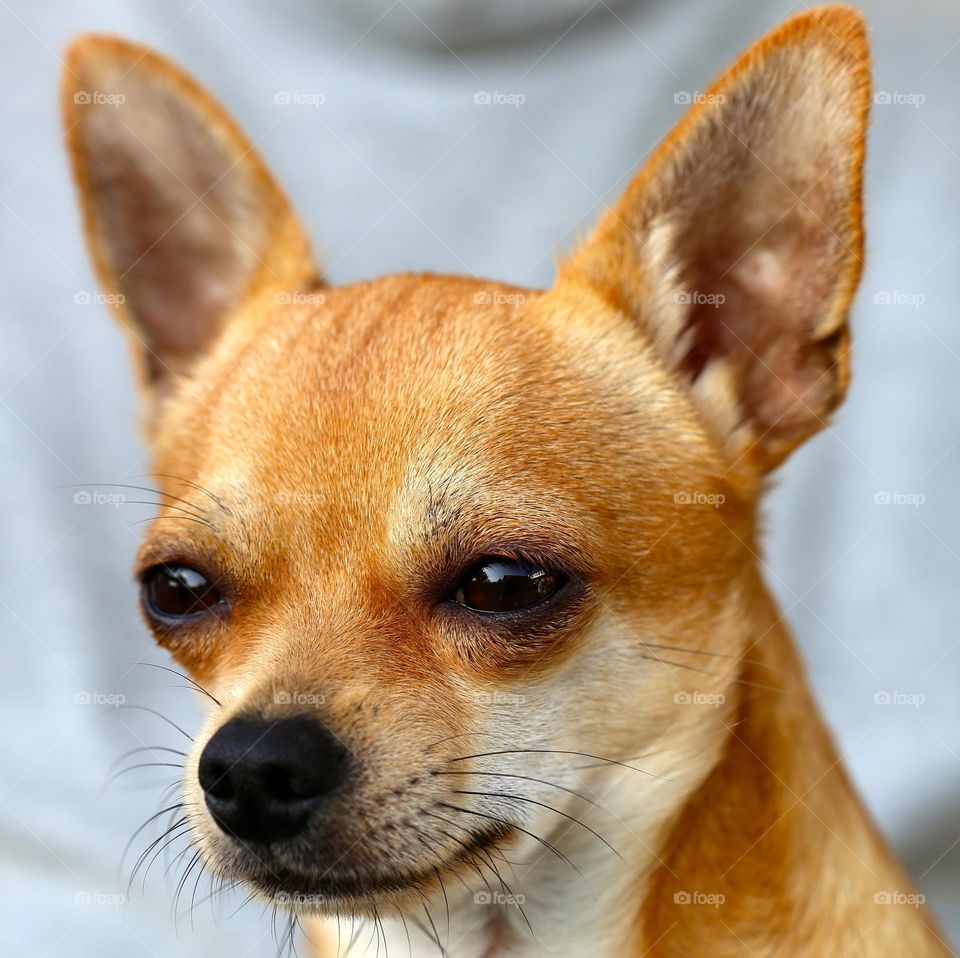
point(745, 837)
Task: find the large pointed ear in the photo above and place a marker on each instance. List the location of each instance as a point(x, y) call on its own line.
point(738, 247)
point(183, 220)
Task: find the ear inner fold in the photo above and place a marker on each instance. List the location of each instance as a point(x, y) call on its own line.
point(738, 248)
point(183, 219)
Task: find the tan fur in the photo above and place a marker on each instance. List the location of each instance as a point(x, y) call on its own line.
point(345, 448)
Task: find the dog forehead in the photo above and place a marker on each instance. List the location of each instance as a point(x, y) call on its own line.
point(411, 398)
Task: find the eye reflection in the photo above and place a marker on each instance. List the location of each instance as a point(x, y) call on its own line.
point(499, 584)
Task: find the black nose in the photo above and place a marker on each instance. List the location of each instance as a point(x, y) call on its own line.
point(262, 778)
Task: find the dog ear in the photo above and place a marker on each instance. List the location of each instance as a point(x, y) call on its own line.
point(738, 247)
point(183, 220)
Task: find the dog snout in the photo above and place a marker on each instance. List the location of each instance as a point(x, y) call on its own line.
point(263, 779)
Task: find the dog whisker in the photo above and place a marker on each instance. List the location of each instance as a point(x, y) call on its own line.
point(133, 768)
point(153, 844)
point(529, 778)
point(509, 824)
point(152, 818)
point(147, 748)
point(193, 682)
point(148, 489)
point(182, 883)
point(188, 482)
point(533, 801)
point(555, 751)
point(160, 715)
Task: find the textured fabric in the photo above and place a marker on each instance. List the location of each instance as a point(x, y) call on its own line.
point(473, 137)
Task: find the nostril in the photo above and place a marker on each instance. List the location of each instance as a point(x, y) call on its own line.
point(215, 779)
point(278, 783)
point(263, 780)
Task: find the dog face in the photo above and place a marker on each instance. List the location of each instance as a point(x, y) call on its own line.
point(435, 545)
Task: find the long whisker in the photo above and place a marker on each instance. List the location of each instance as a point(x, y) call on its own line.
point(147, 748)
point(133, 768)
point(125, 485)
point(160, 715)
point(533, 801)
point(503, 821)
point(182, 675)
point(555, 751)
point(516, 899)
point(188, 482)
point(181, 832)
point(165, 505)
point(677, 665)
point(152, 818)
point(530, 778)
point(143, 855)
point(708, 653)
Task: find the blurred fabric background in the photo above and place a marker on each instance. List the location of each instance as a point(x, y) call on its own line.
point(479, 137)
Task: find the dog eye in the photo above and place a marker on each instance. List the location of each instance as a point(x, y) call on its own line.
point(506, 585)
point(172, 592)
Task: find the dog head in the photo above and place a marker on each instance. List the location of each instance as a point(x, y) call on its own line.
point(439, 547)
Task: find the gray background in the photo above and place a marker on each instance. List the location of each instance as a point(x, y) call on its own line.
point(401, 169)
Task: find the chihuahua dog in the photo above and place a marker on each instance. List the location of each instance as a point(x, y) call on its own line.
point(470, 572)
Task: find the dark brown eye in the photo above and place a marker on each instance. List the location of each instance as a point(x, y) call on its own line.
point(506, 585)
point(176, 592)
